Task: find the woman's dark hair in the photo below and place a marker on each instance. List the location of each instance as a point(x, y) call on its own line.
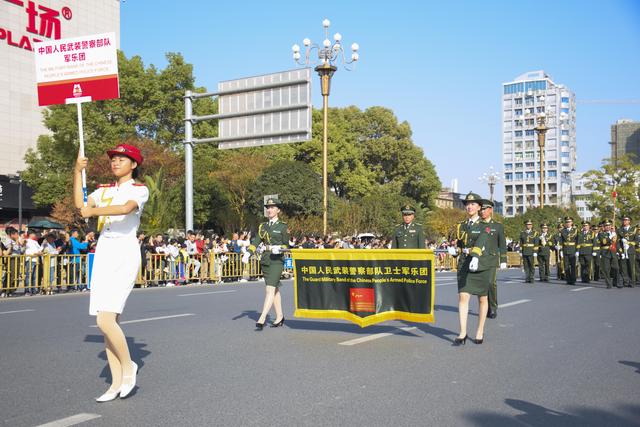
point(136, 172)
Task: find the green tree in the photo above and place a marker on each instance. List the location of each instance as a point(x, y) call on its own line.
point(624, 178)
point(299, 188)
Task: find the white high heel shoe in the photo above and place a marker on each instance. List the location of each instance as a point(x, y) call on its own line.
point(127, 387)
point(108, 396)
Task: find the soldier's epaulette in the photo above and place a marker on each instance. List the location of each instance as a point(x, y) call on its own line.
point(139, 185)
point(113, 184)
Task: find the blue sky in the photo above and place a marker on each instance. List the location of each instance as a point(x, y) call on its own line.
point(437, 65)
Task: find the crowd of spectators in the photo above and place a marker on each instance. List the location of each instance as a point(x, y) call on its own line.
point(168, 259)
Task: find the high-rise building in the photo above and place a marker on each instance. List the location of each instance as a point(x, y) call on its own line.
point(625, 139)
point(523, 99)
point(22, 23)
point(580, 196)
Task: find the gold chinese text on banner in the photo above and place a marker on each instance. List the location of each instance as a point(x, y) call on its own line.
point(365, 286)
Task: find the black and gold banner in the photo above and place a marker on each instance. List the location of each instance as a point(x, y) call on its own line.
point(365, 286)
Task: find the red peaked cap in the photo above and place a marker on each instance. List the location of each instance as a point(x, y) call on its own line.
point(127, 150)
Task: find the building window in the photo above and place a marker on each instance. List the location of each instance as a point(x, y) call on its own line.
point(539, 85)
point(552, 164)
point(518, 101)
point(564, 110)
point(518, 133)
point(564, 99)
point(518, 156)
point(540, 109)
point(552, 174)
point(531, 175)
point(518, 112)
point(528, 155)
point(564, 132)
point(564, 143)
point(530, 165)
point(508, 176)
point(529, 122)
point(564, 154)
point(508, 166)
point(529, 132)
point(518, 176)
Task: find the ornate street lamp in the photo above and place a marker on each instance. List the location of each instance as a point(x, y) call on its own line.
point(542, 130)
point(329, 54)
point(492, 179)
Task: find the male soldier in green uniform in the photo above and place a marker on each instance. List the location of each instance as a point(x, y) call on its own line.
point(568, 240)
point(273, 236)
point(544, 242)
point(584, 245)
point(627, 250)
point(496, 247)
point(596, 250)
point(557, 242)
point(608, 251)
point(409, 235)
point(528, 251)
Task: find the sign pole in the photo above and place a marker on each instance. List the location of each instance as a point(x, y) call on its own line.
point(188, 161)
point(78, 101)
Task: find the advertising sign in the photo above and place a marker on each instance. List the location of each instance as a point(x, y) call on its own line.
point(81, 67)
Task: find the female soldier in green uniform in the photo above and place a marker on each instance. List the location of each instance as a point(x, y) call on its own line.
point(274, 236)
point(475, 267)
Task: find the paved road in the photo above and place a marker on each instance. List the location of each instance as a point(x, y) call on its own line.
point(555, 356)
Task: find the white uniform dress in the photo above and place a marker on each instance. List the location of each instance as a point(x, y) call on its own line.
point(117, 257)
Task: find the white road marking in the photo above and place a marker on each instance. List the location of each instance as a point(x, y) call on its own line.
point(71, 421)
point(374, 336)
point(581, 289)
point(15, 311)
point(149, 319)
point(204, 293)
point(509, 304)
point(446, 284)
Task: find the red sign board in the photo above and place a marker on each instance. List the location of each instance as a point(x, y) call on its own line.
point(82, 67)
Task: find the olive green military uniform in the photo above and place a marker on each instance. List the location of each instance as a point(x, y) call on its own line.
point(527, 249)
point(544, 243)
point(585, 242)
point(408, 236)
point(557, 242)
point(598, 256)
point(496, 247)
point(471, 238)
point(627, 236)
point(568, 240)
point(271, 234)
point(609, 267)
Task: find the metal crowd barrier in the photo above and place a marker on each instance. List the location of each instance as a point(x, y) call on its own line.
point(54, 273)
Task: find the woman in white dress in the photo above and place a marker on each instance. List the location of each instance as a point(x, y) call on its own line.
point(117, 259)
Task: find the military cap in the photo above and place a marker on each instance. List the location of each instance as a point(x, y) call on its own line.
point(472, 198)
point(543, 225)
point(568, 218)
point(626, 217)
point(272, 201)
point(529, 222)
point(586, 223)
point(486, 203)
point(607, 222)
point(407, 209)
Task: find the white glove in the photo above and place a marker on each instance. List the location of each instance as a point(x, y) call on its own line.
point(594, 254)
point(503, 265)
point(466, 251)
point(623, 256)
point(557, 247)
point(452, 251)
point(535, 255)
point(275, 249)
point(245, 257)
point(473, 265)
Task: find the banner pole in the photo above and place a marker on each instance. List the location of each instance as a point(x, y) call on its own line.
point(81, 134)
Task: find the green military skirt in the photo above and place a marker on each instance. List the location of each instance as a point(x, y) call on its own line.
point(473, 282)
point(272, 266)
